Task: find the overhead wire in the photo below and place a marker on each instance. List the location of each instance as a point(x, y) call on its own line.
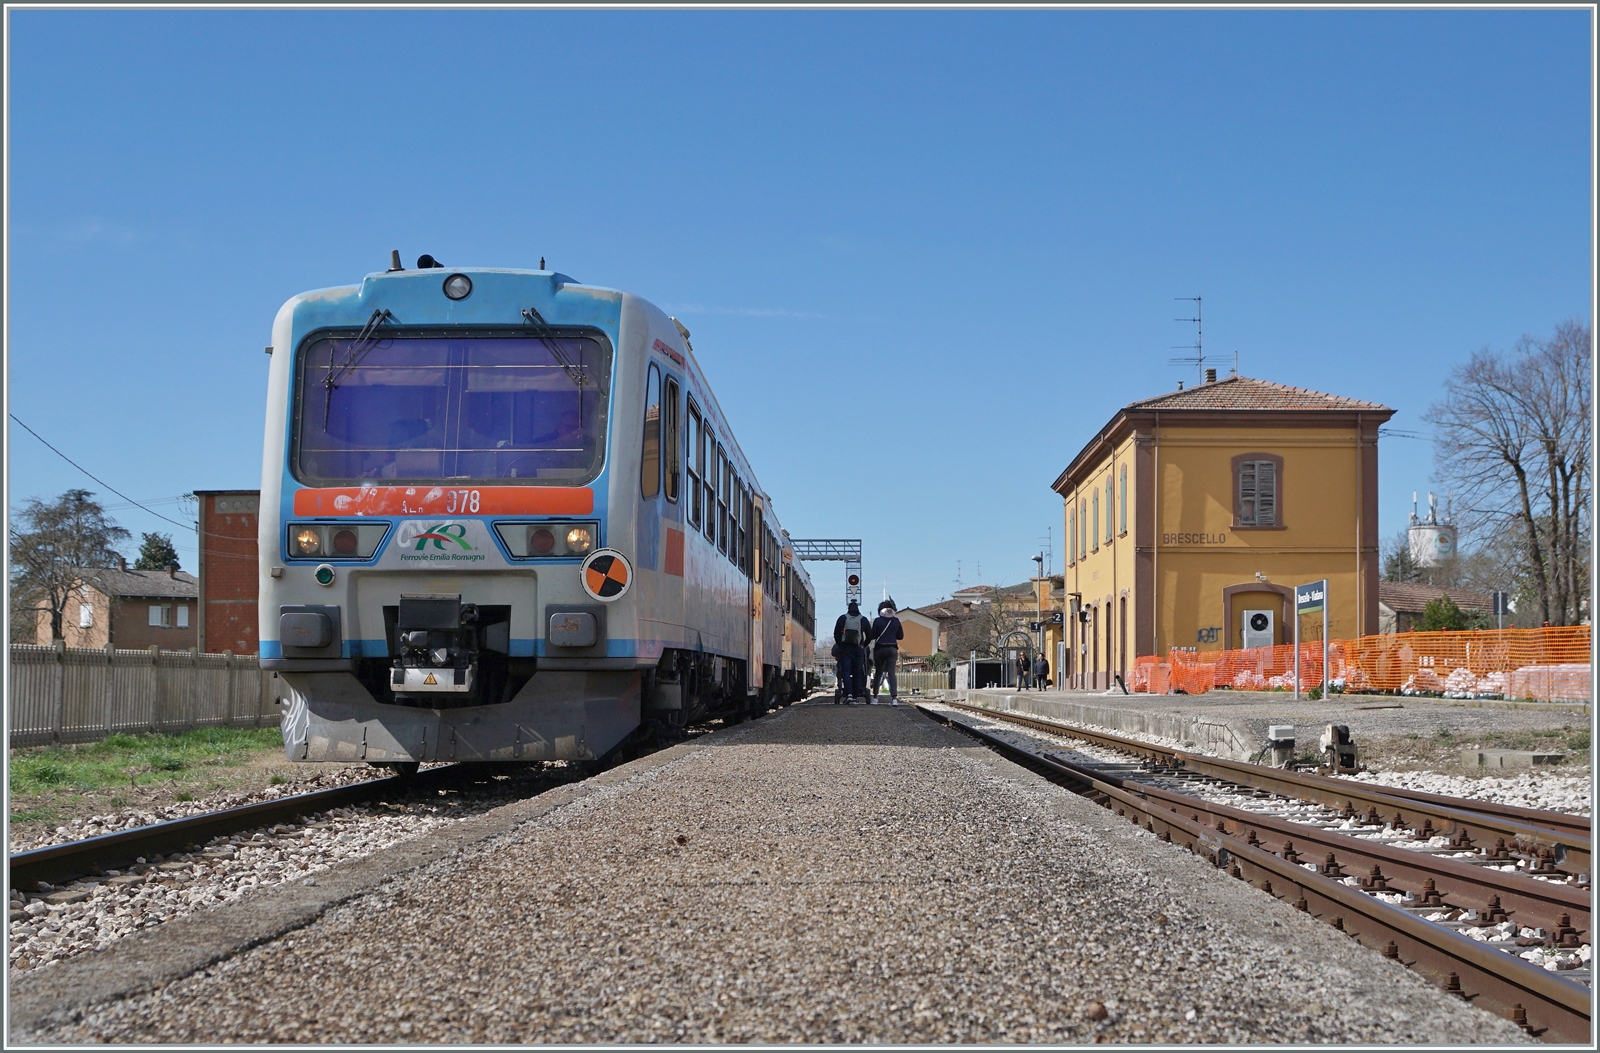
point(137, 504)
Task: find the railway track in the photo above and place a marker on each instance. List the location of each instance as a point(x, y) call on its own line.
point(1553, 845)
point(1403, 902)
point(58, 864)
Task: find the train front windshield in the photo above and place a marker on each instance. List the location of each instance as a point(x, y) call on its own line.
point(431, 408)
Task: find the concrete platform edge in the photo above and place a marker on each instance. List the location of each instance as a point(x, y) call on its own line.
point(1235, 739)
point(141, 963)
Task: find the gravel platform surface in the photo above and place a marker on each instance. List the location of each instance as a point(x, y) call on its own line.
point(832, 874)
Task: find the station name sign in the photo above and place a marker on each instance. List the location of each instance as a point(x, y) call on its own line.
point(1194, 539)
point(1309, 599)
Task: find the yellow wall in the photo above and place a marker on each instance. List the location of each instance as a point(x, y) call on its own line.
point(1193, 550)
point(1199, 550)
point(1105, 572)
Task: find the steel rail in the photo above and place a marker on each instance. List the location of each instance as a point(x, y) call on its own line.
point(1569, 851)
point(57, 864)
point(1535, 903)
point(1541, 1002)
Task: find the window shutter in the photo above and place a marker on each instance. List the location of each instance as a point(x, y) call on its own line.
point(183, 615)
point(1247, 493)
point(155, 614)
point(1266, 494)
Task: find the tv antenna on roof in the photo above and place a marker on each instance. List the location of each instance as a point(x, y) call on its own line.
point(1199, 356)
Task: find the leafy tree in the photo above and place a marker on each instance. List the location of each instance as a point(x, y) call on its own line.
point(1443, 613)
point(155, 552)
point(51, 545)
point(1398, 564)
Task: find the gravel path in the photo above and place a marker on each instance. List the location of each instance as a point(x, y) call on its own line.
point(826, 874)
point(160, 889)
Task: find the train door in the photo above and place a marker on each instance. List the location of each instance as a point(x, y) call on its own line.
point(660, 529)
point(751, 534)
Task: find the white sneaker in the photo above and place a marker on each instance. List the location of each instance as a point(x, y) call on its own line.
point(873, 702)
point(894, 701)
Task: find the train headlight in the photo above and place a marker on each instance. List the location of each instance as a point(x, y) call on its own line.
point(307, 541)
point(458, 286)
point(580, 539)
point(335, 540)
point(549, 539)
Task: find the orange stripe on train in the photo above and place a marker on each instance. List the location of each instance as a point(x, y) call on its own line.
point(444, 501)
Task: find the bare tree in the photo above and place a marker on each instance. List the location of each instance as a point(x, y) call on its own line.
point(1512, 438)
point(51, 546)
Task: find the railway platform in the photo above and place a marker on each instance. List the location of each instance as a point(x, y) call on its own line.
point(1234, 724)
point(859, 874)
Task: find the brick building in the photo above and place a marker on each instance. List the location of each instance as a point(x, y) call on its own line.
point(228, 571)
point(130, 609)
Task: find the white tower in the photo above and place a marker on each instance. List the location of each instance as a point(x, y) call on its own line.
point(1431, 540)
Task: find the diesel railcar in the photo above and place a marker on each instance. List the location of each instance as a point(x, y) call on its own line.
point(503, 518)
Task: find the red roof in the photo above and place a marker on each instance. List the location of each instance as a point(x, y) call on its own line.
point(1247, 393)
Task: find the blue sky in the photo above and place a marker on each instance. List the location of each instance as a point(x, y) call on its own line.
point(924, 255)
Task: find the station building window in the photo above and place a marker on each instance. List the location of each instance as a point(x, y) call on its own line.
point(1094, 518)
point(1258, 479)
point(1110, 504)
point(1072, 536)
point(1122, 505)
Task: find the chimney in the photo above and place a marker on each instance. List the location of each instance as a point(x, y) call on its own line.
point(122, 562)
point(172, 570)
point(1211, 376)
point(1180, 385)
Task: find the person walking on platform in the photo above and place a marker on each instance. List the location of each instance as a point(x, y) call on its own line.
point(1041, 673)
point(1022, 672)
point(851, 632)
point(887, 632)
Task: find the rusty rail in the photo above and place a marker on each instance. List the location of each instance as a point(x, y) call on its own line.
point(1566, 837)
point(1542, 1003)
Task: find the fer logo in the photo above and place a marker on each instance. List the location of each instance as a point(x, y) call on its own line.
point(444, 536)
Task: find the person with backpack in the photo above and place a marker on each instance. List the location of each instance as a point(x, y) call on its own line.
point(851, 632)
point(1041, 672)
point(887, 632)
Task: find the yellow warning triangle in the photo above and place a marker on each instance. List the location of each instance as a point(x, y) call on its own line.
point(429, 679)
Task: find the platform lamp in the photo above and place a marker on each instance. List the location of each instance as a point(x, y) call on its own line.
point(1038, 603)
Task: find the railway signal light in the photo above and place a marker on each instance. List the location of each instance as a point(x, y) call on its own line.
point(853, 580)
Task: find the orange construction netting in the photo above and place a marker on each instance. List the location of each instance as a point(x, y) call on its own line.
point(1551, 663)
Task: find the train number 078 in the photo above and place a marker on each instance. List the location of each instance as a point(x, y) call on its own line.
point(462, 502)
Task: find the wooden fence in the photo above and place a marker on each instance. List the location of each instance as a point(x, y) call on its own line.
point(61, 694)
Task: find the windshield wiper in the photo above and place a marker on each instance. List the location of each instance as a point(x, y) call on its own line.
point(547, 337)
point(364, 342)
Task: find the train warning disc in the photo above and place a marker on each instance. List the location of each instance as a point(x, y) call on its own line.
point(606, 574)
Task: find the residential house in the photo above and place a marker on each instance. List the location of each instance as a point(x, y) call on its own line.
point(130, 609)
point(1400, 604)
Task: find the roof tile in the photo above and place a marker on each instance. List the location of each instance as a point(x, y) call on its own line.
point(1247, 393)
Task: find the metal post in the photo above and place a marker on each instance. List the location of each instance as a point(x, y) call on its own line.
point(1325, 677)
point(1297, 646)
point(60, 691)
point(111, 686)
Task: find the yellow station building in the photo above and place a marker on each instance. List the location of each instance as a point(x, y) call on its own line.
point(1191, 514)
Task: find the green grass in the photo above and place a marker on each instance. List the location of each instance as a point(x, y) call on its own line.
point(135, 760)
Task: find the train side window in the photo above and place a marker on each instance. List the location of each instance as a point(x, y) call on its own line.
point(650, 457)
point(720, 491)
point(748, 535)
point(697, 463)
point(708, 447)
point(669, 437)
